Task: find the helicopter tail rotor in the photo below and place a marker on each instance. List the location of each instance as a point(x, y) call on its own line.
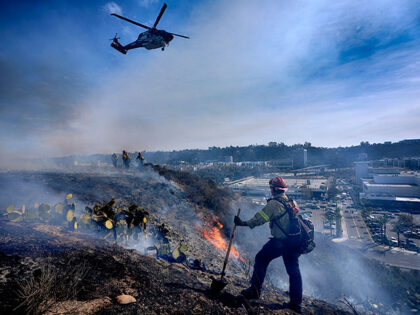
point(116, 44)
point(116, 38)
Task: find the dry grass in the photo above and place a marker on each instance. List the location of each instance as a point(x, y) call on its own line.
point(48, 285)
point(350, 305)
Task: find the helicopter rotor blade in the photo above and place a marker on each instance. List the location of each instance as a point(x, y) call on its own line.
point(179, 35)
point(131, 21)
point(160, 15)
point(115, 37)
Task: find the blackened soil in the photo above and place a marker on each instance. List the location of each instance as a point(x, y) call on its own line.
point(158, 286)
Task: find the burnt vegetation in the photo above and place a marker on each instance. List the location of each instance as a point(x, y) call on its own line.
point(203, 192)
point(87, 279)
point(49, 284)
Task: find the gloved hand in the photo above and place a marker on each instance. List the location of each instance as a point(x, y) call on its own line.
point(239, 222)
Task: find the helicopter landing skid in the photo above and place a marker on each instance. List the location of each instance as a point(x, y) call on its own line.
point(118, 47)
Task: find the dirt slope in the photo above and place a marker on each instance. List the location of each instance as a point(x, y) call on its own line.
point(108, 270)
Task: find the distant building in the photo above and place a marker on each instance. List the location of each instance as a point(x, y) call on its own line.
point(410, 141)
point(228, 158)
point(403, 185)
point(300, 158)
point(272, 144)
point(412, 163)
point(366, 170)
point(361, 169)
point(287, 163)
point(306, 188)
point(362, 157)
point(396, 191)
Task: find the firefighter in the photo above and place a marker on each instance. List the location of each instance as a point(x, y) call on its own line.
point(136, 218)
point(281, 244)
point(161, 233)
point(140, 220)
point(140, 160)
point(104, 216)
point(69, 211)
point(178, 254)
point(114, 159)
point(126, 159)
point(86, 221)
point(121, 225)
point(44, 212)
point(163, 247)
point(195, 264)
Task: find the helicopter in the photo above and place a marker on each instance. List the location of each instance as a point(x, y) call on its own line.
point(151, 39)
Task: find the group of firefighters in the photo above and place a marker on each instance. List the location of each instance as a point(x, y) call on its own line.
point(122, 224)
point(126, 160)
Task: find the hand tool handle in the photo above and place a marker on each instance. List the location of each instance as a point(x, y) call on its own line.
point(229, 247)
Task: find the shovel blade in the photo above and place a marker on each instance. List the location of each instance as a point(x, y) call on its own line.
point(218, 285)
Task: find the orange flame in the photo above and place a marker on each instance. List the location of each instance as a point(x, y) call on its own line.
point(213, 235)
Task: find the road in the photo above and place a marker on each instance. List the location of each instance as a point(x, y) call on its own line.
point(394, 256)
point(356, 229)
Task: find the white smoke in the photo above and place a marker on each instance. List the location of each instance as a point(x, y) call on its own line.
point(112, 7)
point(146, 3)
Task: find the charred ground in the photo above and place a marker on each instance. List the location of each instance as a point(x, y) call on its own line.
point(107, 270)
point(39, 256)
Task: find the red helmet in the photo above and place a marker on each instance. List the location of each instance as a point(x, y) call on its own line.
point(278, 183)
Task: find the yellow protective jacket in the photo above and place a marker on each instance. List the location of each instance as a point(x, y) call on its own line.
point(273, 209)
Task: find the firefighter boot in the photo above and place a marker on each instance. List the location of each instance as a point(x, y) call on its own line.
point(294, 307)
point(250, 293)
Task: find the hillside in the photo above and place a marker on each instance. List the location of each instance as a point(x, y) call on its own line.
point(197, 215)
point(52, 257)
point(43, 254)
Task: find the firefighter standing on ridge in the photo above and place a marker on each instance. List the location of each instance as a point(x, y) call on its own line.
point(114, 159)
point(126, 159)
point(140, 160)
point(281, 244)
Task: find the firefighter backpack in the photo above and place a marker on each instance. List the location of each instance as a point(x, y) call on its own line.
point(300, 228)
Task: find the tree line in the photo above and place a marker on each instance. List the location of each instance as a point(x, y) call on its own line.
point(335, 157)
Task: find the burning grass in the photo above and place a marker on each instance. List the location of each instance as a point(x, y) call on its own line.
point(212, 231)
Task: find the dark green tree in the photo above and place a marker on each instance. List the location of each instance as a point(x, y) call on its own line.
point(338, 229)
point(383, 220)
point(330, 218)
point(404, 222)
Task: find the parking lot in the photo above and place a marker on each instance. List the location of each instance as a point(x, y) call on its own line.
point(407, 237)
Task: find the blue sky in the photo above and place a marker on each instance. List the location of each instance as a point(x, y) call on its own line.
point(328, 72)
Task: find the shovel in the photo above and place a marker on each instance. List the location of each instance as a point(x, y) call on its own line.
point(218, 285)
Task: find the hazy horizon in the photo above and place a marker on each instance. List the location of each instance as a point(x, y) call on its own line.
point(333, 74)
